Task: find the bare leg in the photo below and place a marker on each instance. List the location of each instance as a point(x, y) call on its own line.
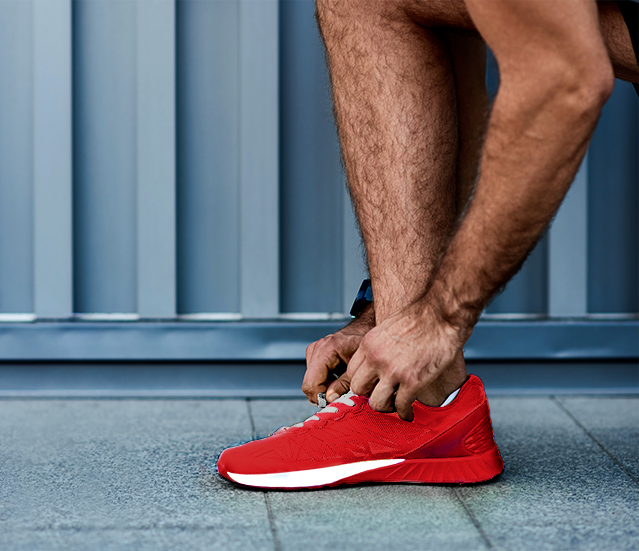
point(396, 106)
point(410, 105)
point(468, 55)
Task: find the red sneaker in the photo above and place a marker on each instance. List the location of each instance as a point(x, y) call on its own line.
point(348, 442)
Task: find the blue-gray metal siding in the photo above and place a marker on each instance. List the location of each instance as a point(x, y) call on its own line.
point(205, 182)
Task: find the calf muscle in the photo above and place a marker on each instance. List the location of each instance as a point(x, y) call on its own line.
point(396, 115)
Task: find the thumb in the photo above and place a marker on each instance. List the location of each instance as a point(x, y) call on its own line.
point(338, 387)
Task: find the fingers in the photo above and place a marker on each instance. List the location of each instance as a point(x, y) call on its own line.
point(363, 377)
point(383, 397)
point(355, 362)
point(320, 360)
point(387, 396)
point(388, 391)
point(338, 387)
point(323, 358)
point(404, 403)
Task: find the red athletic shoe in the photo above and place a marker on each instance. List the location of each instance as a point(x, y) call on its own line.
point(348, 442)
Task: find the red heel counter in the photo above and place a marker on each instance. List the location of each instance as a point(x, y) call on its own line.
point(480, 438)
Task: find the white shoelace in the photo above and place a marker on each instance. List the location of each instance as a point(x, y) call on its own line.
point(345, 399)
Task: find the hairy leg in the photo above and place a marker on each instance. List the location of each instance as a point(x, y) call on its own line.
point(468, 55)
point(395, 107)
point(394, 86)
point(396, 104)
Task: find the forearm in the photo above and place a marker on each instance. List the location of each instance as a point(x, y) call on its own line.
point(531, 154)
point(542, 120)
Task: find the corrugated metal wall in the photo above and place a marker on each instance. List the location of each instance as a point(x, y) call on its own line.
point(164, 159)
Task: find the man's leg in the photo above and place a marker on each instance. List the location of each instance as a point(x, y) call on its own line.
point(395, 100)
point(468, 56)
point(393, 90)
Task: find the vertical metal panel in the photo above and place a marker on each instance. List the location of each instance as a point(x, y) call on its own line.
point(246, 107)
point(16, 157)
point(156, 158)
point(567, 250)
point(613, 204)
point(208, 237)
point(259, 163)
point(355, 270)
point(53, 269)
point(311, 196)
point(104, 138)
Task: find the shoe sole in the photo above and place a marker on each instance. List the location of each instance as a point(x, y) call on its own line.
point(456, 470)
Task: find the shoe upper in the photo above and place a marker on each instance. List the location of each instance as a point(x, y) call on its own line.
point(356, 433)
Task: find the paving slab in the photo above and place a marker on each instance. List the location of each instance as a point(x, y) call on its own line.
point(270, 415)
point(559, 490)
point(138, 474)
point(363, 517)
point(115, 474)
point(613, 422)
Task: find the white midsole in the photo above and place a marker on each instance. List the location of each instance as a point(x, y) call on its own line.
point(311, 477)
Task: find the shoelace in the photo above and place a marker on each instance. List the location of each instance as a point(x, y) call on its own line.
point(345, 399)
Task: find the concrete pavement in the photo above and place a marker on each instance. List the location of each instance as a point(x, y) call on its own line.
point(137, 474)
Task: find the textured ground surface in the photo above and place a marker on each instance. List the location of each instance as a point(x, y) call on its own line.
point(137, 474)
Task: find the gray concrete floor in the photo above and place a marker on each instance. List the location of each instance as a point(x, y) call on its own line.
point(138, 474)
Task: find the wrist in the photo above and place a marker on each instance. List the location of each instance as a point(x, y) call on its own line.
point(451, 309)
point(366, 317)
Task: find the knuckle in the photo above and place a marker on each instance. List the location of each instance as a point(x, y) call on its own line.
point(368, 340)
point(410, 379)
point(309, 350)
point(396, 374)
point(327, 343)
point(376, 354)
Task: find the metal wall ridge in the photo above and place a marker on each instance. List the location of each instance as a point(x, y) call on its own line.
point(287, 340)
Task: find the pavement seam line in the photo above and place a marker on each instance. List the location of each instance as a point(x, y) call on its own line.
point(271, 520)
point(473, 519)
point(576, 421)
point(267, 501)
point(250, 413)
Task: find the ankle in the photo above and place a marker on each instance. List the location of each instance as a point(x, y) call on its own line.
point(447, 383)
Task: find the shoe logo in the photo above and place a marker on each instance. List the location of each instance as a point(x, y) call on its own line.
point(311, 477)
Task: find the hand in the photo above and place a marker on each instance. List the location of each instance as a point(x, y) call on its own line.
point(400, 357)
point(329, 356)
